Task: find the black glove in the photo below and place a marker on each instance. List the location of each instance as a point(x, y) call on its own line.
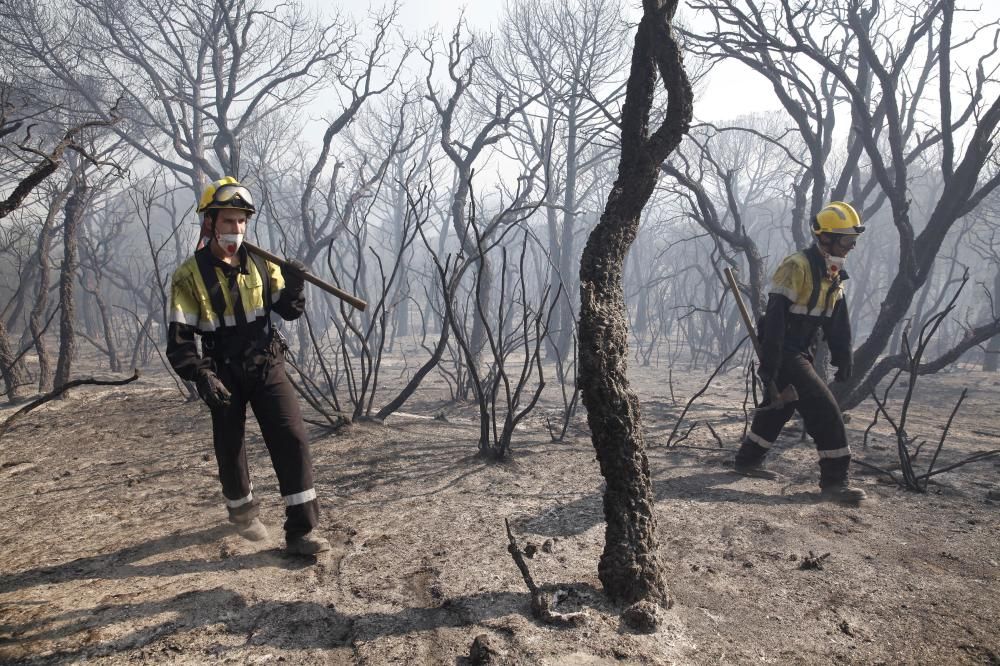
point(292, 271)
point(843, 373)
point(212, 390)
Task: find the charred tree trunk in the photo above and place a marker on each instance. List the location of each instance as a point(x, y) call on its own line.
point(991, 362)
point(67, 309)
point(919, 251)
point(552, 348)
point(402, 297)
point(629, 568)
point(565, 318)
point(36, 321)
point(107, 328)
point(11, 368)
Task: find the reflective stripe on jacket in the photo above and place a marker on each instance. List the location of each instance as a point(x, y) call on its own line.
point(230, 305)
point(191, 299)
point(796, 280)
point(801, 299)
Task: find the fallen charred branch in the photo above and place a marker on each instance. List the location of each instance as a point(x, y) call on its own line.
point(542, 602)
point(813, 561)
point(62, 389)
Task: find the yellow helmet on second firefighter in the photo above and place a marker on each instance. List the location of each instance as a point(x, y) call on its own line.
point(838, 217)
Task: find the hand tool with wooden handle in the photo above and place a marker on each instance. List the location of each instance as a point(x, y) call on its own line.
point(777, 399)
point(309, 277)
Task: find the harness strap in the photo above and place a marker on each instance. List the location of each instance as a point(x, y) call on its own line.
point(818, 269)
point(239, 312)
point(210, 277)
point(212, 284)
point(265, 279)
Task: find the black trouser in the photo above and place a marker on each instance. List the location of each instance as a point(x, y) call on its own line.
point(820, 412)
point(260, 380)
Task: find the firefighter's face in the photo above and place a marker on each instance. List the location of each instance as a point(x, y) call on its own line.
point(840, 244)
point(231, 221)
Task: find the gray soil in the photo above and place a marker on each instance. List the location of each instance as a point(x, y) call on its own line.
point(114, 545)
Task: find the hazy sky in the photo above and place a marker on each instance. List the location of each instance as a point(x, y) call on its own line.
point(731, 89)
point(715, 102)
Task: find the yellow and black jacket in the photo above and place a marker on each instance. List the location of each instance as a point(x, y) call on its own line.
point(802, 298)
point(228, 306)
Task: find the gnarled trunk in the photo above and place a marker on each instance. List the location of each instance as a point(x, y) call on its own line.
point(629, 568)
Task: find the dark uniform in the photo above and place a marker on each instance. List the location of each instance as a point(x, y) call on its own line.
point(230, 307)
point(803, 297)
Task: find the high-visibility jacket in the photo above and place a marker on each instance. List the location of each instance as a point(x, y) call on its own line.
point(802, 298)
point(229, 306)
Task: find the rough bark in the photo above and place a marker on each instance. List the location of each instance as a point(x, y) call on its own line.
point(12, 370)
point(67, 278)
point(629, 568)
point(36, 321)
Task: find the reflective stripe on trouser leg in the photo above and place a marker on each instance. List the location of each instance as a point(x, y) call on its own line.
point(763, 433)
point(230, 452)
point(277, 409)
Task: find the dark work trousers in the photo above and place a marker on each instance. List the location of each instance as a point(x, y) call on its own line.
point(819, 411)
point(263, 384)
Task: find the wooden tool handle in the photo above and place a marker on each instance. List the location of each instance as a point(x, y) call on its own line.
point(751, 330)
point(309, 277)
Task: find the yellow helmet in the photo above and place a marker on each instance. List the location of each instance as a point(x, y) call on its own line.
point(838, 217)
point(226, 193)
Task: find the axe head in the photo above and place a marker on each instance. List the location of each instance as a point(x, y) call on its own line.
point(777, 400)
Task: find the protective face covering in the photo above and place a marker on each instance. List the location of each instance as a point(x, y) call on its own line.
point(230, 243)
point(834, 265)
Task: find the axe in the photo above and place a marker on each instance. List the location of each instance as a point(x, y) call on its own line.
point(777, 399)
point(309, 277)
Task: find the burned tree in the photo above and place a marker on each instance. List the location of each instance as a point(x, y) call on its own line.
point(882, 58)
point(465, 135)
point(629, 568)
point(574, 53)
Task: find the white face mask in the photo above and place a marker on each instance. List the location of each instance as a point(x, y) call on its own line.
point(835, 264)
point(230, 243)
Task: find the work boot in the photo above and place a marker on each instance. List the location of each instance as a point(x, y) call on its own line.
point(755, 469)
point(254, 530)
point(306, 544)
point(842, 492)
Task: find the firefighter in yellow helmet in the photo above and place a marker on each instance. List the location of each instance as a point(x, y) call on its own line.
point(226, 296)
point(805, 295)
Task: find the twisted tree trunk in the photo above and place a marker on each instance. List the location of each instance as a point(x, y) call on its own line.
point(629, 568)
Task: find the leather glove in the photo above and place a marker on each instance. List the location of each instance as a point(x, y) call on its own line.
point(843, 373)
point(292, 272)
point(212, 390)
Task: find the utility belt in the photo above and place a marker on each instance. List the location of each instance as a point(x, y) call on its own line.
point(256, 340)
point(800, 332)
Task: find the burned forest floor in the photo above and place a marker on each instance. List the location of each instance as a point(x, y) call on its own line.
point(114, 544)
